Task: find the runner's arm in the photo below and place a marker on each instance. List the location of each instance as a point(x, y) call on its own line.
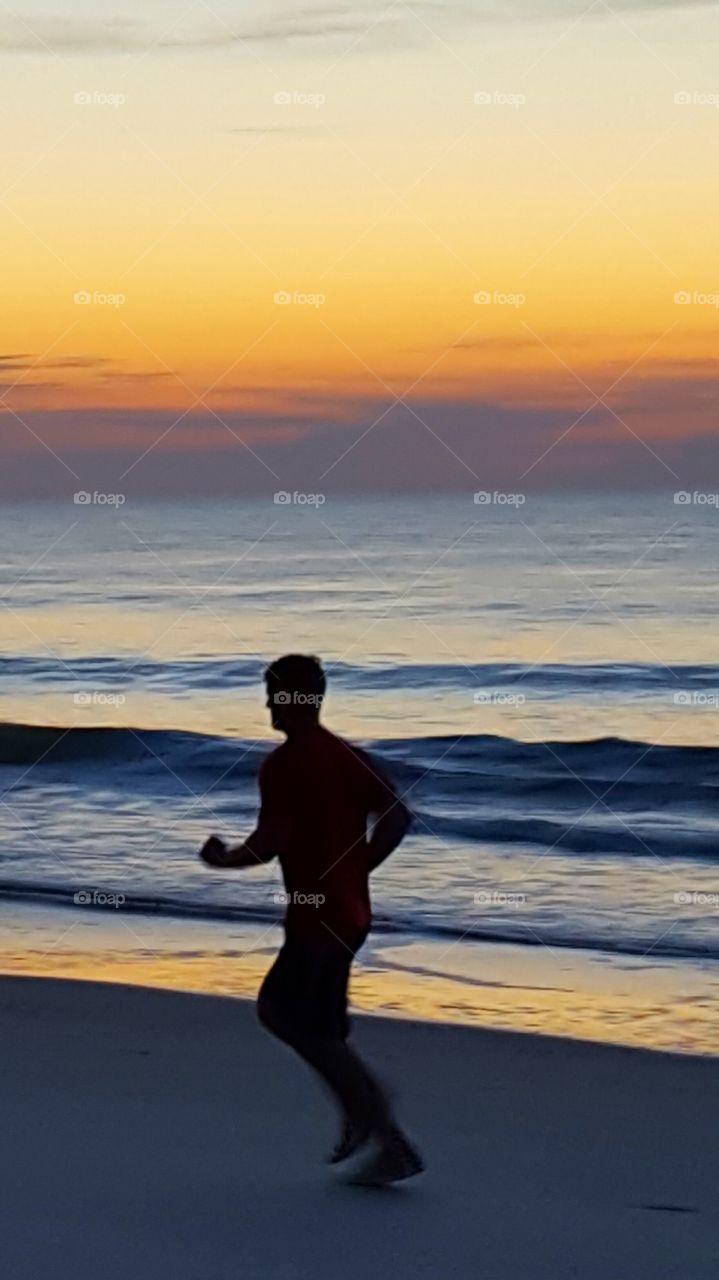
point(266, 841)
point(392, 817)
point(256, 849)
point(388, 832)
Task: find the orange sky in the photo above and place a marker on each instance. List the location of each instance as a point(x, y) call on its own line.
point(450, 209)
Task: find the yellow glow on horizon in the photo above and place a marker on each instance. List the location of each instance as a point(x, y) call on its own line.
point(395, 201)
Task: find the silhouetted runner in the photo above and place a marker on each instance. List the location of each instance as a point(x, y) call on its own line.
point(317, 796)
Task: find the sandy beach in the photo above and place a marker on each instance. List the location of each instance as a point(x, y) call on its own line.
point(151, 1134)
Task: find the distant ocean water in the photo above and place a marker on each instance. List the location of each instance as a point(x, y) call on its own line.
point(540, 681)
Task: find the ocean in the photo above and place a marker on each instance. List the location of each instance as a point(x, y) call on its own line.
point(539, 678)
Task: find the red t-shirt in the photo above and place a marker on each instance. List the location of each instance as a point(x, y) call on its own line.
point(317, 795)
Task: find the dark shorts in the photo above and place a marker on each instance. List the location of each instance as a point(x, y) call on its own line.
point(305, 991)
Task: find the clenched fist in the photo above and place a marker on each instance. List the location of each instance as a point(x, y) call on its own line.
point(214, 852)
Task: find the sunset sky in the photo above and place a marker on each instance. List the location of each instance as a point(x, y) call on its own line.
point(495, 223)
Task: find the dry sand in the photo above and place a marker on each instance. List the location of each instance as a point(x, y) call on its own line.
point(149, 1135)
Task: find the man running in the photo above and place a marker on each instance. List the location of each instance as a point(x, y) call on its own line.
point(317, 795)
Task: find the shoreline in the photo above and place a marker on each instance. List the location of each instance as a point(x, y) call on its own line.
point(169, 1135)
point(544, 1041)
point(361, 1018)
point(587, 997)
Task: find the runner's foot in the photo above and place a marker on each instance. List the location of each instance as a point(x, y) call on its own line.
point(353, 1137)
point(393, 1162)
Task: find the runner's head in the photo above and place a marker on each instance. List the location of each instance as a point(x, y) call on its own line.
point(295, 689)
